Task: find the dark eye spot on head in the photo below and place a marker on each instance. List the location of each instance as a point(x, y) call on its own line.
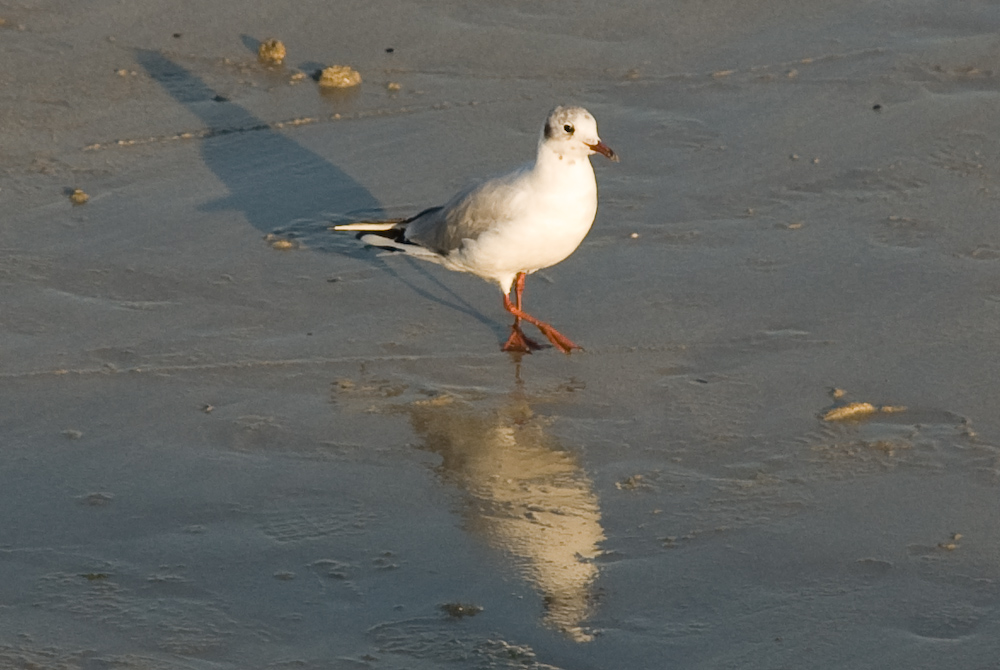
point(568, 128)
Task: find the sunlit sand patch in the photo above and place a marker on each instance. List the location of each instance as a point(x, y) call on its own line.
point(339, 76)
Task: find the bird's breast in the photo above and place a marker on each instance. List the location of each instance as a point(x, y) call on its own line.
point(545, 229)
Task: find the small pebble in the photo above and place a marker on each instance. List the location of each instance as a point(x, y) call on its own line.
point(461, 610)
point(78, 197)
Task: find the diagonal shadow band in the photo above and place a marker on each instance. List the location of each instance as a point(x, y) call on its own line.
point(274, 181)
point(271, 179)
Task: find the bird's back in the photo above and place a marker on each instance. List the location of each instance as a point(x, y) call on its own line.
point(470, 213)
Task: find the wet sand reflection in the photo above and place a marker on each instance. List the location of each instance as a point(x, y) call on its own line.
point(530, 498)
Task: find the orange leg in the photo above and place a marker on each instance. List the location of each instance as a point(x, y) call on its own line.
point(518, 341)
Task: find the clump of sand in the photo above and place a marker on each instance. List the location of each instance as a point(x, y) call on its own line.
point(271, 52)
point(339, 76)
point(280, 243)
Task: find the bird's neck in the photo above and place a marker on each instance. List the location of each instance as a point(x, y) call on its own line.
point(550, 164)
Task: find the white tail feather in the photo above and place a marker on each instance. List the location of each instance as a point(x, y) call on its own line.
point(367, 225)
point(409, 249)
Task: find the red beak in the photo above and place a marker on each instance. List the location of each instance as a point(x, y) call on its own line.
point(604, 150)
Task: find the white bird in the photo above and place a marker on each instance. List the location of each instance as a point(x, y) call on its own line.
point(512, 225)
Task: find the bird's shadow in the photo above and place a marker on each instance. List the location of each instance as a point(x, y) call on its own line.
point(278, 185)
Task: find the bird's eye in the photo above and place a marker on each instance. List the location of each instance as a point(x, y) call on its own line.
point(568, 128)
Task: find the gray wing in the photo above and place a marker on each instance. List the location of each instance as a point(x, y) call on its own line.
point(466, 216)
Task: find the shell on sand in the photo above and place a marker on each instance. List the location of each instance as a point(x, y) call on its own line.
point(859, 410)
point(854, 410)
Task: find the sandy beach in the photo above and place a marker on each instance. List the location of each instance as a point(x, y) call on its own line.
point(233, 439)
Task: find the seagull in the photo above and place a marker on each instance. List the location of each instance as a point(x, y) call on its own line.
point(513, 225)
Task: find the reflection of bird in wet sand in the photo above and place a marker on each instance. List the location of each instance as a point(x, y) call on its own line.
point(510, 226)
point(534, 501)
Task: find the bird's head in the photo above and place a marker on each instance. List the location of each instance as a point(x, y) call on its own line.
point(572, 132)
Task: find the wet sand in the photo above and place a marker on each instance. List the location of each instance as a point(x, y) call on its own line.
point(234, 439)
